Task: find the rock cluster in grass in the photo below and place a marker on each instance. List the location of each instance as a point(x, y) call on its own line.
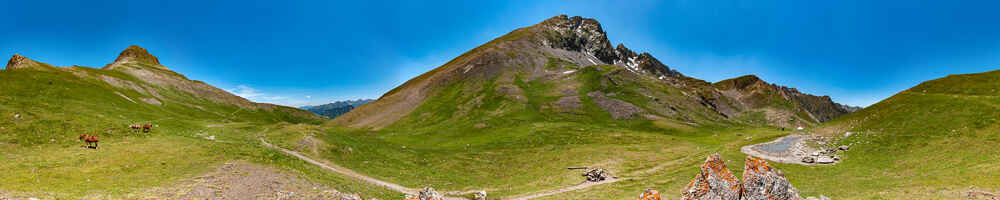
point(760, 182)
point(828, 156)
point(427, 193)
point(481, 195)
point(597, 175)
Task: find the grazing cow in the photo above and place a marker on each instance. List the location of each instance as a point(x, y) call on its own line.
point(89, 139)
point(135, 127)
point(147, 128)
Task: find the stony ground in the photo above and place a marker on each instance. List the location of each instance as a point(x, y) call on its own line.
point(241, 180)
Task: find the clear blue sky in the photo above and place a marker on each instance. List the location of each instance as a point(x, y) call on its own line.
point(311, 52)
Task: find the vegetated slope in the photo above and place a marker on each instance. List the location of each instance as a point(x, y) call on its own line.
point(196, 128)
point(563, 64)
point(133, 89)
point(940, 135)
point(335, 109)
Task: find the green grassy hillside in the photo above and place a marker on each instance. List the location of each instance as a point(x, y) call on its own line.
point(44, 108)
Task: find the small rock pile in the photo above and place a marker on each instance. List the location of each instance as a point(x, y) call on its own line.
point(760, 182)
point(650, 195)
point(828, 156)
point(597, 175)
point(481, 195)
point(427, 193)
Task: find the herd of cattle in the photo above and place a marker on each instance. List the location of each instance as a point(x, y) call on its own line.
point(91, 140)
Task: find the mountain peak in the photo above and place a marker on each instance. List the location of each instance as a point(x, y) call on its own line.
point(18, 61)
point(137, 54)
point(586, 35)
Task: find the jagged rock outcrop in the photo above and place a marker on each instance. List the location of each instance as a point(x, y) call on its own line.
point(714, 182)
point(137, 54)
point(750, 93)
point(761, 181)
point(586, 35)
point(20, 62)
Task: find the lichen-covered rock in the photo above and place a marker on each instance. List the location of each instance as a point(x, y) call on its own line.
point(763, 182)
point(597, 175)
point(481, 195)
point(650, 195)
point(715, 182)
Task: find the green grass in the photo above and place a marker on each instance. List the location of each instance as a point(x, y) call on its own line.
point(45, 158)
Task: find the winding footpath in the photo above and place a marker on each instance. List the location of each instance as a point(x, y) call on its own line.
point(352, 173)
point(399, 188)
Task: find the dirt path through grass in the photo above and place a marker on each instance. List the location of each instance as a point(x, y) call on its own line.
point(567, 189)
point(351, 173)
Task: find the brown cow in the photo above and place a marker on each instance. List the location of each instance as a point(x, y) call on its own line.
point(89, 139)
point(135, 127)
point(147, 128)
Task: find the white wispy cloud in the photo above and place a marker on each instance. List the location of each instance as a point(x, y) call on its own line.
point(256, 95)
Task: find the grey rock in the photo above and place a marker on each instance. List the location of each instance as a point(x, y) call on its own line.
point(481, 195)
point(844, 147)
point(428, 193)
point(808, 159)
point(764, 182)
point(824, 160)
point(597, 175)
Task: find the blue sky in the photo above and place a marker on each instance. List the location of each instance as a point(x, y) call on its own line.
point(311, 52)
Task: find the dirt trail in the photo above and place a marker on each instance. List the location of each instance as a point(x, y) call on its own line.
point(568, 189)
point(412, 191)
point(353, 174)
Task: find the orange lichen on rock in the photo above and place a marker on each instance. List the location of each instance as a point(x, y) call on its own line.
point(714, 182)
point(650, 195)
point(763, 182)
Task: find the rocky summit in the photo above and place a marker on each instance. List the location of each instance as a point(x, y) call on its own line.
point(761, 181)
point(20, 62)
point(138, 54)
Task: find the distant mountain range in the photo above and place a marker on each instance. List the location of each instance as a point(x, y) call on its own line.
point(335, 109)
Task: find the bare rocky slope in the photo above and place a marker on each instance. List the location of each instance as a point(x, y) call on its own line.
point(566, 63)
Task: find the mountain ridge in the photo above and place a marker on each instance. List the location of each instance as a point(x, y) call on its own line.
point(151, 79)
point(334, 109)
point(557, 48)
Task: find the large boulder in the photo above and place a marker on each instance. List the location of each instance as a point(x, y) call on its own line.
point(650, 195)
point(715, 182)
point(763, 182)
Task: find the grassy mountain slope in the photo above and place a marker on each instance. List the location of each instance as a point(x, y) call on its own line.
point(509, 116)
point(553, 54)
point(936, 138)
point(45, 108)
